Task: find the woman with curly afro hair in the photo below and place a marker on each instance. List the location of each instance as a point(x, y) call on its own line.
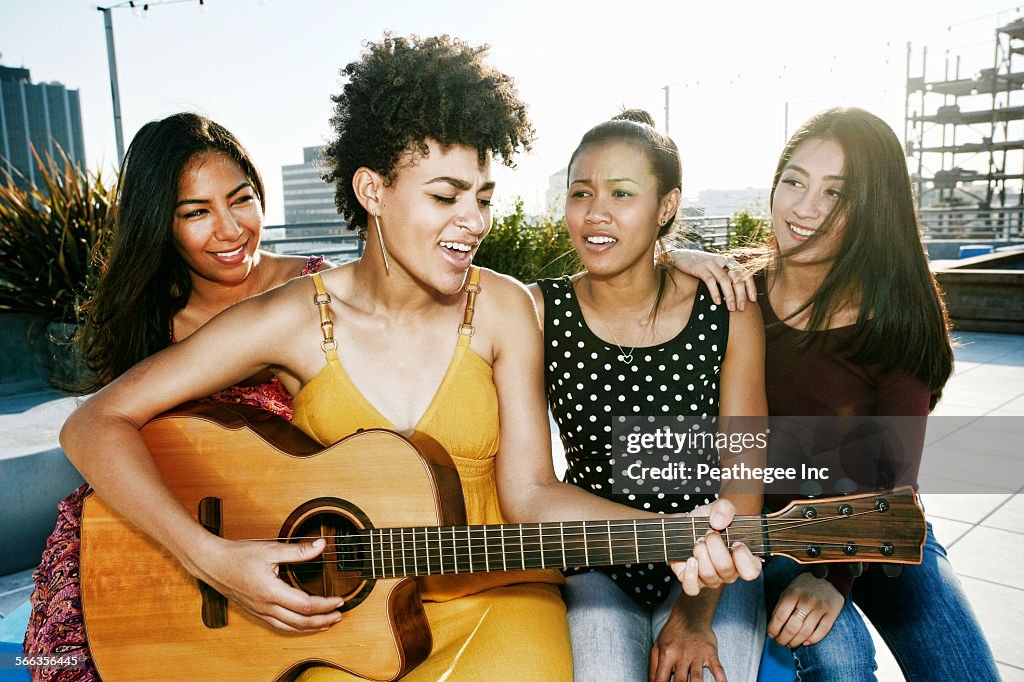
point(410, 338)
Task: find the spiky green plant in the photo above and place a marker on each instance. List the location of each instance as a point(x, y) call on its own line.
point(51, 239)
point(748, 230)
point(528, 248)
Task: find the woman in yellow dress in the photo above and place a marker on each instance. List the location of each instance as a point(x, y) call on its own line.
point(410, 337)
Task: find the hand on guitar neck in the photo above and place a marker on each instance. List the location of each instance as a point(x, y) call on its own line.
point(713, 564)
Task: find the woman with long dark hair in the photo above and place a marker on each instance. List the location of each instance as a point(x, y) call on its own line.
point(855, 326)
point(185, 246)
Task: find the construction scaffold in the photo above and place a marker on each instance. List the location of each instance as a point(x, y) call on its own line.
point(965, 141)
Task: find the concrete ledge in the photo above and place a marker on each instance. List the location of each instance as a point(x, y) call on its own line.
point(34, 475)
point(31, 486)
point(949, 249)
point(984, 293)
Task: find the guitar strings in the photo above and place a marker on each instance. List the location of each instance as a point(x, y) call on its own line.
point(388, 550)
point(398, 569)
point(622, 528)
point(385, 547)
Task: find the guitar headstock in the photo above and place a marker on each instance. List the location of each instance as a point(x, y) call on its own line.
point(879, 527)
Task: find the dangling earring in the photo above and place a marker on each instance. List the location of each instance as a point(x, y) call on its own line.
point(383, 249)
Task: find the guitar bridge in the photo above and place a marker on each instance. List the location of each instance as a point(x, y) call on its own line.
point(215, 605)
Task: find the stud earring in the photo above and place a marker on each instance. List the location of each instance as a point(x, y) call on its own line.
point(383, 249)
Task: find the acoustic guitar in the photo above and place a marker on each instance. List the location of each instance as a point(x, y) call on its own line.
point(391, 510)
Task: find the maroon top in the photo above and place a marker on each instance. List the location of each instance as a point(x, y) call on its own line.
point(820, 380)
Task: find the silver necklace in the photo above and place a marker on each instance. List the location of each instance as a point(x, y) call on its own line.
point(623, 355)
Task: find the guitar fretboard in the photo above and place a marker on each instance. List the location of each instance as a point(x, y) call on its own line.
point(442, 550)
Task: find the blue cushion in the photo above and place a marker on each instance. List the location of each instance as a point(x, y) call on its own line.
point(776, 663)
point(8, 673)
point(971, 250)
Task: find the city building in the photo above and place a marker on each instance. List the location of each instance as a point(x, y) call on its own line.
point(726, 202)
point(44, 116)
point(554, 196)
point(307, 197)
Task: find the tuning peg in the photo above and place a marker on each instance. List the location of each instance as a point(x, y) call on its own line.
point(820, 571)
point(856, 569)
point(892, 570)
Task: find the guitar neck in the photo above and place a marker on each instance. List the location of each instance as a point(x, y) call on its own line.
point(442, 550)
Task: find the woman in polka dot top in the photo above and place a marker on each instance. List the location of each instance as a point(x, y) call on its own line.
point(629, 337)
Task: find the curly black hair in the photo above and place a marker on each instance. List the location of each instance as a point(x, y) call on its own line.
point(404, 91)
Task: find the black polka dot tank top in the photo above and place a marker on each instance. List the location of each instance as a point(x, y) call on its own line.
point(590, 381)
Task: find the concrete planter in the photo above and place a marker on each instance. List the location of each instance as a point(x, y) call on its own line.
point(986, 293)
point(64, 360)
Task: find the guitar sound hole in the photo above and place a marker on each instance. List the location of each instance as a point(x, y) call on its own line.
point(341, 570)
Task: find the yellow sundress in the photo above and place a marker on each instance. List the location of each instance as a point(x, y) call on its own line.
point(507, 626)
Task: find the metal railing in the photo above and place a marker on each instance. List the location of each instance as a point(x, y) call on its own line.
point(713, 232)
point(973, 223)
point(937, 223)
point(331, 240)
point(338, 244)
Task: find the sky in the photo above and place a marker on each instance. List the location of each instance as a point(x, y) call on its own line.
point(266, 68)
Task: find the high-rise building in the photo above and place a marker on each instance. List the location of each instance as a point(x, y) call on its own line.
point(307, 198)
point(40, 115)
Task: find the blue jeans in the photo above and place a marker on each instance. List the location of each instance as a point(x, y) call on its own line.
point(612, 635)
point(922, 615)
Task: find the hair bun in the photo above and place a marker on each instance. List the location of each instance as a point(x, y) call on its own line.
point(636, 116)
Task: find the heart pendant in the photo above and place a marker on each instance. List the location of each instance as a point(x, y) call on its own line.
point(628, 359)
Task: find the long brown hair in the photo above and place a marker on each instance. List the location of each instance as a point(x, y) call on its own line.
point(144, 280)
point(880, 261)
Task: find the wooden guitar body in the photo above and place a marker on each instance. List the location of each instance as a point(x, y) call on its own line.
point(270, 483)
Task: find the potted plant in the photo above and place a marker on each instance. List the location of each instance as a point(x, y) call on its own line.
point(51, 240)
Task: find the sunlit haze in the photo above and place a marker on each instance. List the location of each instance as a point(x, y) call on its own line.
point(266, 69)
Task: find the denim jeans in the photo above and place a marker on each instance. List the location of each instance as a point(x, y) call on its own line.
point(612, 635)
point(922, 615)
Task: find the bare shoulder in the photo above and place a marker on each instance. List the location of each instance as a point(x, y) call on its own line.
point(538, 299)
point(503, 287)
point(282, 300)
point(505, 301)
point(684, 286)
point(507, 318)
point(283, 268)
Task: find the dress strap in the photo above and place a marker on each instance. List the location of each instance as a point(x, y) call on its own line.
point(323, 301)
point(472, 289)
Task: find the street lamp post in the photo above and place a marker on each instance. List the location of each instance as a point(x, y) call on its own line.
point(666, 107)
point(114, 91)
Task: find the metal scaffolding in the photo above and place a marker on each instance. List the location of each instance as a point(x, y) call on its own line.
point(965, 135)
